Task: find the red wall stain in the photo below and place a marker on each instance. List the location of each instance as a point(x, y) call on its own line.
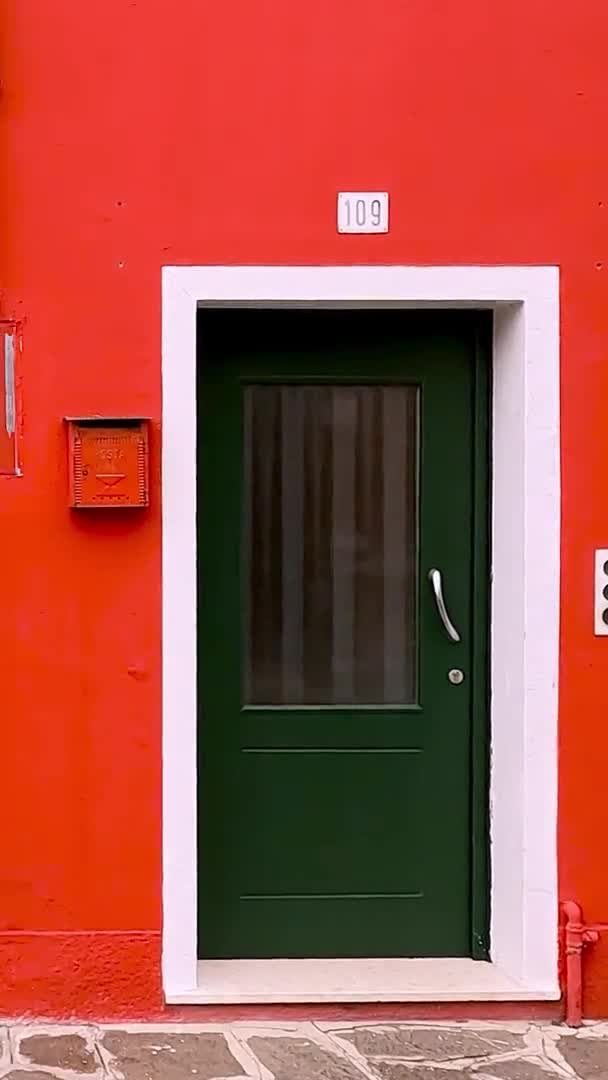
point(145, 132)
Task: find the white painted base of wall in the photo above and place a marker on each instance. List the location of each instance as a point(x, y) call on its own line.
point(225, 982)
point(524, 632)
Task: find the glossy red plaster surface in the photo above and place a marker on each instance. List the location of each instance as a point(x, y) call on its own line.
point(142, 133)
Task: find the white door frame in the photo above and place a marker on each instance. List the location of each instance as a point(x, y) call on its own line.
point(524, 599)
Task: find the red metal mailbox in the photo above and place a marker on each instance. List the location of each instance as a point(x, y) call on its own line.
point(108, 462)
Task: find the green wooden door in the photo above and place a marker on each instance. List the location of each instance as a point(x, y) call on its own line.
point(341, 773)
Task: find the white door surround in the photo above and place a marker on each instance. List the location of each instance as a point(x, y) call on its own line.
point(524, 632)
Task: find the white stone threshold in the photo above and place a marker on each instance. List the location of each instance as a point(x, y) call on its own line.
point(223, 982)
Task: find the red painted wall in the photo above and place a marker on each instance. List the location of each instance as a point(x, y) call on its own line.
point(141, 132)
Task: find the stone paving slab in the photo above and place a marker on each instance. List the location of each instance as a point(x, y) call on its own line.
point(304, 1051)
point(71, 1052)
point(432, 1044)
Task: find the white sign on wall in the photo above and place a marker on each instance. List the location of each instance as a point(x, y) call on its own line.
point(363, 211)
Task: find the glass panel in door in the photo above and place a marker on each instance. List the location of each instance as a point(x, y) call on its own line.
point(330, 488)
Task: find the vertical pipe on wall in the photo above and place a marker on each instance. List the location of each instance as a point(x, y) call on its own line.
point(576, 936)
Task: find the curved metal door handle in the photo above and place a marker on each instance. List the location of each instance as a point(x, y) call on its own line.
point(437, 586)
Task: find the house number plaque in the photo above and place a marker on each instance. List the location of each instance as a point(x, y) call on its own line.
point(363, 212)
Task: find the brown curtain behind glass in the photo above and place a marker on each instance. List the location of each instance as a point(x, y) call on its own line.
point(330, 543)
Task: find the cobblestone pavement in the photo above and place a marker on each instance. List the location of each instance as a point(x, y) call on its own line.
point(305, 1051)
